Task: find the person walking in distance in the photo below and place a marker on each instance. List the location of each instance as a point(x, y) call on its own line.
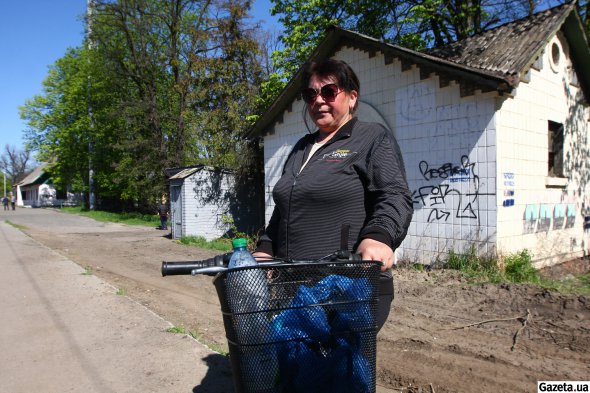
point(163, 212)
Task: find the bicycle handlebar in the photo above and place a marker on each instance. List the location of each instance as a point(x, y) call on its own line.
point(186, 267)
point(221, 261)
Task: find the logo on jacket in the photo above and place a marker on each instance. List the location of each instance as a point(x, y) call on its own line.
point(338, 155)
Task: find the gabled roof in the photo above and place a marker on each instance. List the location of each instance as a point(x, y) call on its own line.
point(185, 173)
point(511, 49)
point(491, 61)
point(181, 173)
point(35, 177)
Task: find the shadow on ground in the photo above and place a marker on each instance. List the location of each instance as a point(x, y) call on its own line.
point(219, 376)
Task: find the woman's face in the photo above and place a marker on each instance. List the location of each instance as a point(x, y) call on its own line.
point(328, 115)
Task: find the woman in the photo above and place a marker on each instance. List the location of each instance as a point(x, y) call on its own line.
point(343, 186)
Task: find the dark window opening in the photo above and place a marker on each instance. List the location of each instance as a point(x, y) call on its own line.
point(555, 54)
point(555, 134)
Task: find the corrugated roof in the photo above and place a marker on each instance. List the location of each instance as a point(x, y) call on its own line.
point(508, 49)
point(491, 61)
point(32, 177)
point(180, 173)
point(184, 173)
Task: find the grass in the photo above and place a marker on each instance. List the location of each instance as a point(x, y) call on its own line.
point(124, 218)
point(579, 285)
point(176, 330)
point(88, 271)
point(219, 349)
point(17, 226)
point(122, 292)
point(223, 244)
point(514, 268)
point(475, 267)
point(519, 268)
point(197, 336)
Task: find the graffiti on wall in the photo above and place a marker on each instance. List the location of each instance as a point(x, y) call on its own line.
point(447, 198)
point(416, 102)
point(546, 217)
point(455, 173)
point(509, 183)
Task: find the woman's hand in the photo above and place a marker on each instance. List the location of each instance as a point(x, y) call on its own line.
point(373, 250)
point(261, 256)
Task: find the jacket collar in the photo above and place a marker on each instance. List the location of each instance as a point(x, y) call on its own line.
point(344, 132)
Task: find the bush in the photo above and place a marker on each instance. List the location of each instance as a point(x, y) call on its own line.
point(474, 265)
point(519, 268)
point(468, 262)
point(514, 268)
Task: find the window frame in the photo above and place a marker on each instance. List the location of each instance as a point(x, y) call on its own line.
point(555, 154)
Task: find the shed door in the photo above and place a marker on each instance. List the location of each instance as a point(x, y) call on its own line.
point(176, 216)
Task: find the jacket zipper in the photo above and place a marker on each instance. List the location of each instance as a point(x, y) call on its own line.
point(295, 176)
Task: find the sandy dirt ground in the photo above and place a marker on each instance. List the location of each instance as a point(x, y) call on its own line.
point(443, 335)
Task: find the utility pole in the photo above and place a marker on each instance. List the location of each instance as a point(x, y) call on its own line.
point(91, 197)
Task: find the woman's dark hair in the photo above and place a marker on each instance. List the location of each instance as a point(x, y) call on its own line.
point(345, 76)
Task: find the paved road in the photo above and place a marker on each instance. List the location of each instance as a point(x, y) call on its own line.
point(64, 331)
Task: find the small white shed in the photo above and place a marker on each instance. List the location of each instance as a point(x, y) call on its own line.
point(199, 202)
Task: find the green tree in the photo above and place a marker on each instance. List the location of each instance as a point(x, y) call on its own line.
point(159, 84)
point(416, 24)
point(190, 71)
point(59, 121)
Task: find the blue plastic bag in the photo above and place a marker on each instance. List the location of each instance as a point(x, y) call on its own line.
point(320, 353)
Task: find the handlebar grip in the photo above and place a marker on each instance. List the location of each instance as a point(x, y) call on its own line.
point(355, 257)
point(185, 268)
point(347, 255)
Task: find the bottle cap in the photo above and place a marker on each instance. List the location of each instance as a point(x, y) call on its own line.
point(239, 242)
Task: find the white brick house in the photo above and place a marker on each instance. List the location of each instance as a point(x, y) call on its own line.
point(494, 132)
point(37, 190)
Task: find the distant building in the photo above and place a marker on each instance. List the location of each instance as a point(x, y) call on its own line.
point(493, 130)
point(37, 190)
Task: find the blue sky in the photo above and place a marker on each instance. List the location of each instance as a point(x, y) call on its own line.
point(33, 35)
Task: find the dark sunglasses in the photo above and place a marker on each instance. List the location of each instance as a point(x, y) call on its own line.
point(328, 93)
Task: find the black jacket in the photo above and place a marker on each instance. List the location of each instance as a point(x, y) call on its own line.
point(354, 187)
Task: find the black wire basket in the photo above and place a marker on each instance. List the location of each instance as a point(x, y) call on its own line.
point(301, 327)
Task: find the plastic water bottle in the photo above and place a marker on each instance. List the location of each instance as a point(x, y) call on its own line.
point(241, 256)
point(248, 290)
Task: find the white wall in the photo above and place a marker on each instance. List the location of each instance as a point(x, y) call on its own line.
point(546, 220)
point(204, 206)
point(448, 144)
point(38, 195)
